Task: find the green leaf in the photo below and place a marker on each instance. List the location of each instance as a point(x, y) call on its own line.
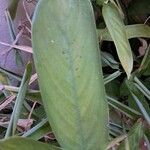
point(142, 87)
point(132, 31)
point(108, 60)
point(117, 31)
point(133, 89)
point(134, 137)
point(19, 101)
point(137, 30)
point(142, 109)
point(112, 77)
point(13, 4)
point(18, 143)
point(67, 60)
point(11, 28)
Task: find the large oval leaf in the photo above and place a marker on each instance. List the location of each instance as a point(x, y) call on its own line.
point(117, 31)
point(67, 60)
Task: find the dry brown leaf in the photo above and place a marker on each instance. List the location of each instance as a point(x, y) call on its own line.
point(142, 49)
point(7, 101)
point(33, 78)
point(25, 123)
point(20, 47)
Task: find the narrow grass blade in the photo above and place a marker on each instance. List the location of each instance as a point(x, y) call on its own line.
point(39, 130)
point(21, 96)
point(117, 31)
point(123, 108)
point(114, 130)
point(13, 4)
point(112, 77)
point(142, 109)
point(13, 36)
point(134, 136)
point(145, 91)
point(10, 26)
point(19, 101)
point(108, 60)
point(10, 74)
point(133, 89)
